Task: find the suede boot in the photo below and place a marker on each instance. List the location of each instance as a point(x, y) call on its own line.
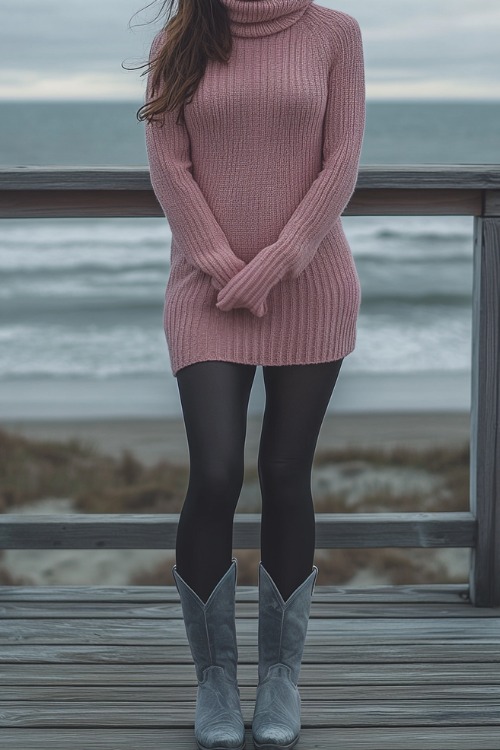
point(282, 632)
point(211, 631)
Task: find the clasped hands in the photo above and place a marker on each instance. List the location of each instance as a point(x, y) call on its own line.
point(235, 294)
point(244, 290)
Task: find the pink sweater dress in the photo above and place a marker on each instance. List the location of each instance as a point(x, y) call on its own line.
point(254, 185)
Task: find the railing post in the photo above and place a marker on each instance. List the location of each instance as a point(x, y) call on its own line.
point(484, 578)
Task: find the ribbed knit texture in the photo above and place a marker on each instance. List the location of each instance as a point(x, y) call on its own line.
point(254, 185)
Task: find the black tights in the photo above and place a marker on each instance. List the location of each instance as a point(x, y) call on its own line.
point(214, 397)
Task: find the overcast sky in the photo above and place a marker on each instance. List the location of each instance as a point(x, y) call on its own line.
point(74, 49)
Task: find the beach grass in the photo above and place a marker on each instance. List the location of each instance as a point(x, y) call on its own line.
point(34, 469)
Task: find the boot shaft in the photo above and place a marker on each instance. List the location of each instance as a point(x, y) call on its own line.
point(283, 625)
point(210, 626)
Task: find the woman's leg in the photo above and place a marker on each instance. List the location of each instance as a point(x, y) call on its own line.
point(297, 397)
point(214, 397)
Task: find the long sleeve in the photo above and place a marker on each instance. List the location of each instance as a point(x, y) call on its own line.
point(191, 220)
point(330, 192)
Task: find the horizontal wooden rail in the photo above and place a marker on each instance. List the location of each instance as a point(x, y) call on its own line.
point(36, 192)
point(405, 176)
point(153, 531)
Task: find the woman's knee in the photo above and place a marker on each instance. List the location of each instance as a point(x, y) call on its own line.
point(217, 482)
point(281, 476)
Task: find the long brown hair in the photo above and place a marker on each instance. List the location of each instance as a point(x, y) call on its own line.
point(198, 32)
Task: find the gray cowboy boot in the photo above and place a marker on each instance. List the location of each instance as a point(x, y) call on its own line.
point(211, 632)
point(282, 632)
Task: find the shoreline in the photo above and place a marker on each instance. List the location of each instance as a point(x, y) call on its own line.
point(156, 396)
point(153, 439)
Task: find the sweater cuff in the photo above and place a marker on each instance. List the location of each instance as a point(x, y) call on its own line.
point(228, 267)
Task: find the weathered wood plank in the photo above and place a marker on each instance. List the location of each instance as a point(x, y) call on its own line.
point(313, 696)
point(138, 632)
point(491, 200)
point(414, 202)
point(34, 192)
point(484, 576)
point(460, 651)
point(311, 675)
point(347, 738)
point(67, 203)
point(430, 176)
point(159, 531)
point(446, 593)
point(72, 203)
point(346, 713)
point(426, 176)
point(248, 610)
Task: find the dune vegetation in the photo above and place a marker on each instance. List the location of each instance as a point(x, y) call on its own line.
point(32, 470)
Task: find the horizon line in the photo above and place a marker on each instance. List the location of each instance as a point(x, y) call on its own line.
point(106, 100)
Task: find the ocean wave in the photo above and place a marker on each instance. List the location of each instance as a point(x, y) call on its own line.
point(421, 235)
point(413, 299)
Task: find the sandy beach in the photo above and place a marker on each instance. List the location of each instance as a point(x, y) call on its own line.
point(155, 439)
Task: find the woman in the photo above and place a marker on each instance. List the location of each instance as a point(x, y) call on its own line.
point(255, 116)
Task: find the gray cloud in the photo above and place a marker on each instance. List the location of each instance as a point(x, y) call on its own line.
point(68, 49)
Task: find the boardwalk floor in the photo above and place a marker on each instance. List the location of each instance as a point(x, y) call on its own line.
point(384, 668)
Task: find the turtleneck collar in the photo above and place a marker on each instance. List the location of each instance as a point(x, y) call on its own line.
point(253, 18)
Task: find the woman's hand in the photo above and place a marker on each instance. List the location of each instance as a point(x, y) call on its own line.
point(233, 295)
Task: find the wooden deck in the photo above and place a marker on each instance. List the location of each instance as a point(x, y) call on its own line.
point(385, 668)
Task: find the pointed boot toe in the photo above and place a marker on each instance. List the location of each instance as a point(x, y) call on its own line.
point(218, 721)
point(276, 720)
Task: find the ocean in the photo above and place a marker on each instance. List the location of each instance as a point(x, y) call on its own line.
point(81, 300)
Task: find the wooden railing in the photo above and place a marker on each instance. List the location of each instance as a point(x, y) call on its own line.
point(458, 190)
